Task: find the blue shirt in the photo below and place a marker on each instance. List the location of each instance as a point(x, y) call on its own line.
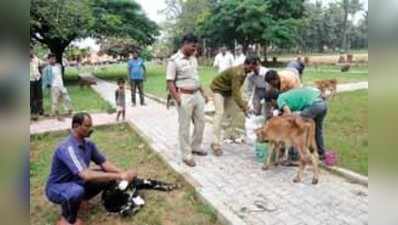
point(299, 66)
point(136, 69)
point(70, 158)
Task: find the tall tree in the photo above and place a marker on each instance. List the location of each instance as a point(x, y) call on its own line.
point(350, 7)
point(248, 22)
point(56, 23)
point(183, 16)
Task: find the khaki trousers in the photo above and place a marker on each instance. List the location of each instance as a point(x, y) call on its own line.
point(227, 110)
point(190, 111)
point(59, 95)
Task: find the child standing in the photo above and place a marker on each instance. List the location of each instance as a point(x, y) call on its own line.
point(120, 99)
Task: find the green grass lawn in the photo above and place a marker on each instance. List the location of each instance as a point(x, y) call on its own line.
point(126, 149)
point(155, 83)
point(346, 130)
point(83, 99)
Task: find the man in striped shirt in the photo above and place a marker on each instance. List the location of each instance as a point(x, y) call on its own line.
point(71, 180)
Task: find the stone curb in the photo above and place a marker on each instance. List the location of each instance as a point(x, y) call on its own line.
point(349, 175)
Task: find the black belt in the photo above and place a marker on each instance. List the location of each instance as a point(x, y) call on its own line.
point(186, 91)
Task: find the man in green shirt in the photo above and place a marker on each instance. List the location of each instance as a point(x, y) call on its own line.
point(307, 101)
point(226, 88)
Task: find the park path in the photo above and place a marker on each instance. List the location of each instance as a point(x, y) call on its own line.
point(234, 184)
point(352, 86)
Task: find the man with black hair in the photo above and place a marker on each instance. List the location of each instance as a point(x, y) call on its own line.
point(185, 88)
point(226, 88)
point(296, 66)
point(71, 180)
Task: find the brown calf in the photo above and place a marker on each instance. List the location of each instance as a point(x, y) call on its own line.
point(294, 131)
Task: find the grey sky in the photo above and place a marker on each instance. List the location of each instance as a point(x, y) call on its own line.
point(152, 7)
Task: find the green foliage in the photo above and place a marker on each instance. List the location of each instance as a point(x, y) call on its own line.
point(326, 25)
point(56, 23)
point(248, 22)
point(75, 53)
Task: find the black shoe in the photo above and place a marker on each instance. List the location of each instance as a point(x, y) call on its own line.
point(199, 153)
point(189, 163)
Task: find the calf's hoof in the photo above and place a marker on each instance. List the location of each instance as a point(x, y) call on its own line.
point(266, 167)
point(296, 180)
point(315, 181)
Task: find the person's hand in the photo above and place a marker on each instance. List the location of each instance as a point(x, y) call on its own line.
point(206, 98)
point(128, 175)
point(178, 100)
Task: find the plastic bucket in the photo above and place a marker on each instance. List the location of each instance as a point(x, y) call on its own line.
point(261, 152)
point(330, 158)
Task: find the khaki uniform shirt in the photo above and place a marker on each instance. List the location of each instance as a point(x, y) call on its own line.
point(184, 71)
point(229, 83)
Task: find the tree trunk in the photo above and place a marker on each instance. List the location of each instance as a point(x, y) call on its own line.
point(58, 51)
point(265, 54)
point(345, 25)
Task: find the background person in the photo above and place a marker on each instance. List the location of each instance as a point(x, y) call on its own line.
point(297, 66)
point(223, 60)
point(136, 71)
point(52, 78)
point(36, 91)
point(71, 180)
point(239, 58)
point(185, 88)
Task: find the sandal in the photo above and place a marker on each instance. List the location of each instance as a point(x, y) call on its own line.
point(216, 149)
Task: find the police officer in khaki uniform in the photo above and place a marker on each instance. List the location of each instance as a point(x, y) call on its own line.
point(184, 86)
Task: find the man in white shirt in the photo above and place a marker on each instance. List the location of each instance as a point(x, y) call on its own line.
point(239, 56)
point(52, 78)
point(224, 60)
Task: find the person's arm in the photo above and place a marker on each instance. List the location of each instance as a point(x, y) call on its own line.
point(128, 69)
point(171, 75)
point(203, 94)
point(144, 68)
point(90, 175)
point(110, 167)
point(215, 64)
point(237, 94)
point(116, 95)
point(282, 104)
point(173, 91)
point(286, 110)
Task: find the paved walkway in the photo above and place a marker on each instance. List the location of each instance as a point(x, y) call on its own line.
point(235, 184)
point(51, 125)
point(353, 86)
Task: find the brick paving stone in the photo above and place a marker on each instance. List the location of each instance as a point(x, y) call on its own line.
point(235, 180)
